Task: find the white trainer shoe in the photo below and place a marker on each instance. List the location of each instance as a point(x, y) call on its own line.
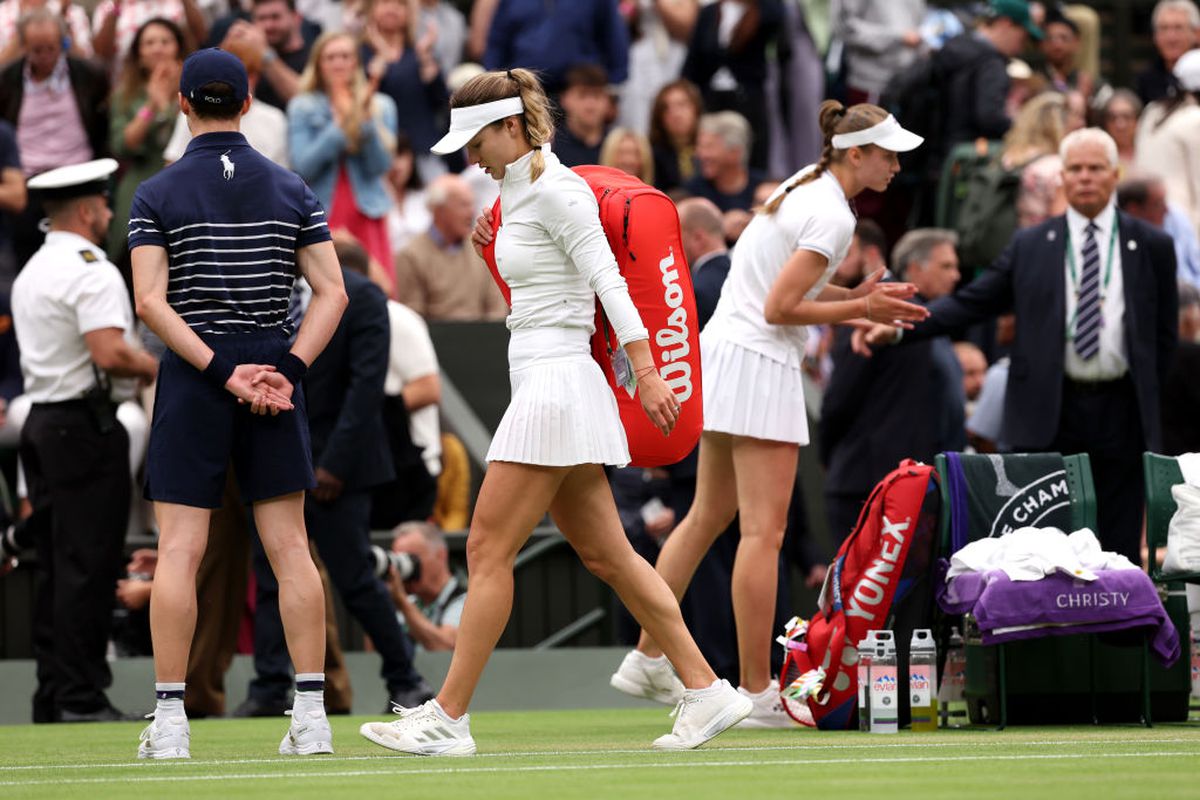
point(309, 734)
point(168, 737)
point(703, 714)
point(649, 678)
point(423, 731)
point(768, 709)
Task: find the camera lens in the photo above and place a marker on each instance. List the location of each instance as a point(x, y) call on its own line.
point(407, 565)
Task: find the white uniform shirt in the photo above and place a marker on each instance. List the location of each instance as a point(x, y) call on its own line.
point(554, 255)
point(816, 217)
point(68, 288)
point(411, 356)
point(1111, 362)
point(264, 126)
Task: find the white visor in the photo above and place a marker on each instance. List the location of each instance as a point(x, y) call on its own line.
point(887, 134)
point(467, 121)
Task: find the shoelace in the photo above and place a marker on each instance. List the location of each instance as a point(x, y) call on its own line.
point(683, 701)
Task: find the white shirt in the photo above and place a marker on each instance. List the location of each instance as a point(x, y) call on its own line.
point(412, 356)
point(1111, 362)
point(553, 253)
point(814, 216)
point(264, 126)
point(68, 288)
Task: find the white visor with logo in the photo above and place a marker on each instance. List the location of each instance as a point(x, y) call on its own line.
point(467, 121)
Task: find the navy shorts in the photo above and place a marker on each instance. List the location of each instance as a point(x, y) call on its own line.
point(199, 430)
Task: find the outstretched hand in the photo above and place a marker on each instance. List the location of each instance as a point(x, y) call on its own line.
point(865, 338)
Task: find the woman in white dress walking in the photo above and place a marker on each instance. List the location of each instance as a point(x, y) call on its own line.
point(562, 425)
point(754, 415)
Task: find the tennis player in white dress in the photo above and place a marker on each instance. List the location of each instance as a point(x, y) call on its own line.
point(562, 425)
point(754, 415)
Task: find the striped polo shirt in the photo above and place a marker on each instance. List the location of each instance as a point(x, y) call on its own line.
point(231, 222)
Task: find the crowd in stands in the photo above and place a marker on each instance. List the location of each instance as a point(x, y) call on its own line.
point(712, 101)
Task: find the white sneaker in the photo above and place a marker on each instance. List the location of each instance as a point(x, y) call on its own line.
point(168, 737)
point(309, 734)
point(423, 731)
point(651, 678)
point(703, 714)
point(769, 711)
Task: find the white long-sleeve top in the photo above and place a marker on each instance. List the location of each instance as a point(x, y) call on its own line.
point(552, 252)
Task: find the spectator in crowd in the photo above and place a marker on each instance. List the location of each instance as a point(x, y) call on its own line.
point(629, 151)
point(1060, 49)
point(404, 68)
point(1119, 118)
point(976, 75)
point(704, 246)
point(661, 30)
point(553, 37)
point(1146, 199)
point(974, 367)
point(408, 215)
point(479, 27)
point(431, 601)
point(585, 104)
point(341, 134)
point(1176, 25)
point(881, 40)
point(59, 106)
point(867, 255)
point(727, 60)
point(283, 40)
point(117, 22)
point(1031, 147)
point(1167, 135)
point(448, 28)
point(13, 198)
point(1099, 392)
point(723, 150)
point(1181, 391)
point(79, 26)
point(264, 126)
point(674, 122)
point(913, 400)
point(438, 274)
point(144, 113)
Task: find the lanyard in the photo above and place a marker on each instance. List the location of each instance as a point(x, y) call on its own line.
point(1112, 246)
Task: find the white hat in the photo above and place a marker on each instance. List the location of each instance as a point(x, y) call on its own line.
point(76, 180)
point(467, 121)
point(887, 135)
point(1187, 70)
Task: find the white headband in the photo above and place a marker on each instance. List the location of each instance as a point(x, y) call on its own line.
point(467, 121)
point(887, 134)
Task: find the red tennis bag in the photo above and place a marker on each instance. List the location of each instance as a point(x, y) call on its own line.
point(883, 565)
point(642, 226)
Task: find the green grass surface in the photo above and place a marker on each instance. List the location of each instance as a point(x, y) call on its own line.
point(560, 754)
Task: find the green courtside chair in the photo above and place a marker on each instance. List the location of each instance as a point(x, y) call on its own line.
point(1161, 473)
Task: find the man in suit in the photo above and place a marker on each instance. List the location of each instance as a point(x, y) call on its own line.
point(1095, 300)
point(344, 391)
point(706, 253)
point(907, 402)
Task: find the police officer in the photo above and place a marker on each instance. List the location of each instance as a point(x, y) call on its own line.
point(79, 357)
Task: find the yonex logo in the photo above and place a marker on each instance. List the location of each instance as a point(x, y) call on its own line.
point(228, 165)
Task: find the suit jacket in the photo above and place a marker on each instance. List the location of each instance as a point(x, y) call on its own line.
point(904, 402)
point(344, 390)
point(707, 283)
point(90, 85)
point(1029, 278)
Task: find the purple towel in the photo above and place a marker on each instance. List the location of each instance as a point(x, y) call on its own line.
point(1116, 600)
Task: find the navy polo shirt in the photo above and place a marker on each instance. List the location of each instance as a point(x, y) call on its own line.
point(231, 222)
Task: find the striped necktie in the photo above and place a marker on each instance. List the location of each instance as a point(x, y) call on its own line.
point(1088, 317)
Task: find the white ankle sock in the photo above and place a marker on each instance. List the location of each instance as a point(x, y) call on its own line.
point(169, 700)
point(310, 692)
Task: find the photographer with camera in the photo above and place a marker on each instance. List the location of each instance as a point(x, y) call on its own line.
point(428, 596)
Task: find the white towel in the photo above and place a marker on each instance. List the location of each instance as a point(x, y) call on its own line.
point(1189, 465)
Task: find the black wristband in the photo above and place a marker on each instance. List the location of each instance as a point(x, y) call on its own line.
point(292, 367)
point(218, 370)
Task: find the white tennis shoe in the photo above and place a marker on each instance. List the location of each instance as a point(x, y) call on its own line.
point(423, 731)
point(703, 714)
point(168, 737)
point(768, 709)
point(309, 734)
point(649, 678)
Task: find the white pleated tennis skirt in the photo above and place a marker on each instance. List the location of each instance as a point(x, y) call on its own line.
point(748, 394)
point(562, 411)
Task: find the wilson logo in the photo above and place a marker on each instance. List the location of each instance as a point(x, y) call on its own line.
point(673, 339)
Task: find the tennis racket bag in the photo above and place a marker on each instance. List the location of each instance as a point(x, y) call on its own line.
point(642, 226)
point(880, 579)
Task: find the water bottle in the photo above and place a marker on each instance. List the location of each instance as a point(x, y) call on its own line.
point(865, 648)
point(885, 696)
point(952, 698)
point(922, 672)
